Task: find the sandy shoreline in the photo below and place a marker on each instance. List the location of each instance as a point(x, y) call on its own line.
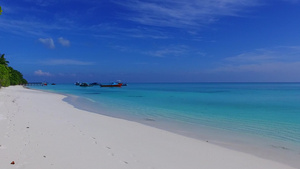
point(39, 130)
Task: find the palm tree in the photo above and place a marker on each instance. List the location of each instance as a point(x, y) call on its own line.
point(3, 61)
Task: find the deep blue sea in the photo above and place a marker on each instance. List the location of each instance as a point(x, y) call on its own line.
point(228, 114)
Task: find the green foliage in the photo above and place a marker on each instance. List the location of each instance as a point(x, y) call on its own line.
point(8, 75)
point(16, 78)
point(3, 61)
point(4, 76)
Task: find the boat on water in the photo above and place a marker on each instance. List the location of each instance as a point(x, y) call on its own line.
point(84, 85)
point(114, 84)
point(94, 84)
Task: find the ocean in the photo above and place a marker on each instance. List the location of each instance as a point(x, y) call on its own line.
point(259, 118)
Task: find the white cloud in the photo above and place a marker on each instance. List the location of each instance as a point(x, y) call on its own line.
point(257, 56)
point(272, 64)
point(267, 55)
point(66, 62)
point(176, 50)
point(41, 73)
point(32, 26)
point(63, 42)
point(273, 67)
point(172, 13)
point(48, 42)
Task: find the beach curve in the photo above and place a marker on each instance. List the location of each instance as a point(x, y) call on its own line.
point(40, 130)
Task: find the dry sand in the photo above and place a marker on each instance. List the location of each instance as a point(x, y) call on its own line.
point(40, 131)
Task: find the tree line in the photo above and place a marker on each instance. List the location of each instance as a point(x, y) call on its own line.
point(8, 75)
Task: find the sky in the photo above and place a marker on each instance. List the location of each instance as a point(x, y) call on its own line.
point(64, 41)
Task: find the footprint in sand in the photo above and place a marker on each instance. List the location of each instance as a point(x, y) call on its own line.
point(95, 140)
point(111, 154)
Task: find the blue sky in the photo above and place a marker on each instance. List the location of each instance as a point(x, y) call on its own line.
point(152, 40)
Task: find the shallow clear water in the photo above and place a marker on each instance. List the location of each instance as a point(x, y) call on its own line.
point(260, 111)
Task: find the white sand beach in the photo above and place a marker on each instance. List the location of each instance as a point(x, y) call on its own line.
point(38, 130)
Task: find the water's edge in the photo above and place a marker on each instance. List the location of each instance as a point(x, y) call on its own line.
point(257, 146)
point(268, 150)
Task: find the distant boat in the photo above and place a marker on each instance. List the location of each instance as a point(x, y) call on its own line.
point(84, 85)
point(114, 84)
point(94, 84)
point(53, 84)
point(77, 83)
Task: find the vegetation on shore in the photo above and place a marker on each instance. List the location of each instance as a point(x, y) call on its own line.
point(8, 75)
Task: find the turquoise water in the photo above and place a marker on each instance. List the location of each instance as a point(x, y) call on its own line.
point(267, 111)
